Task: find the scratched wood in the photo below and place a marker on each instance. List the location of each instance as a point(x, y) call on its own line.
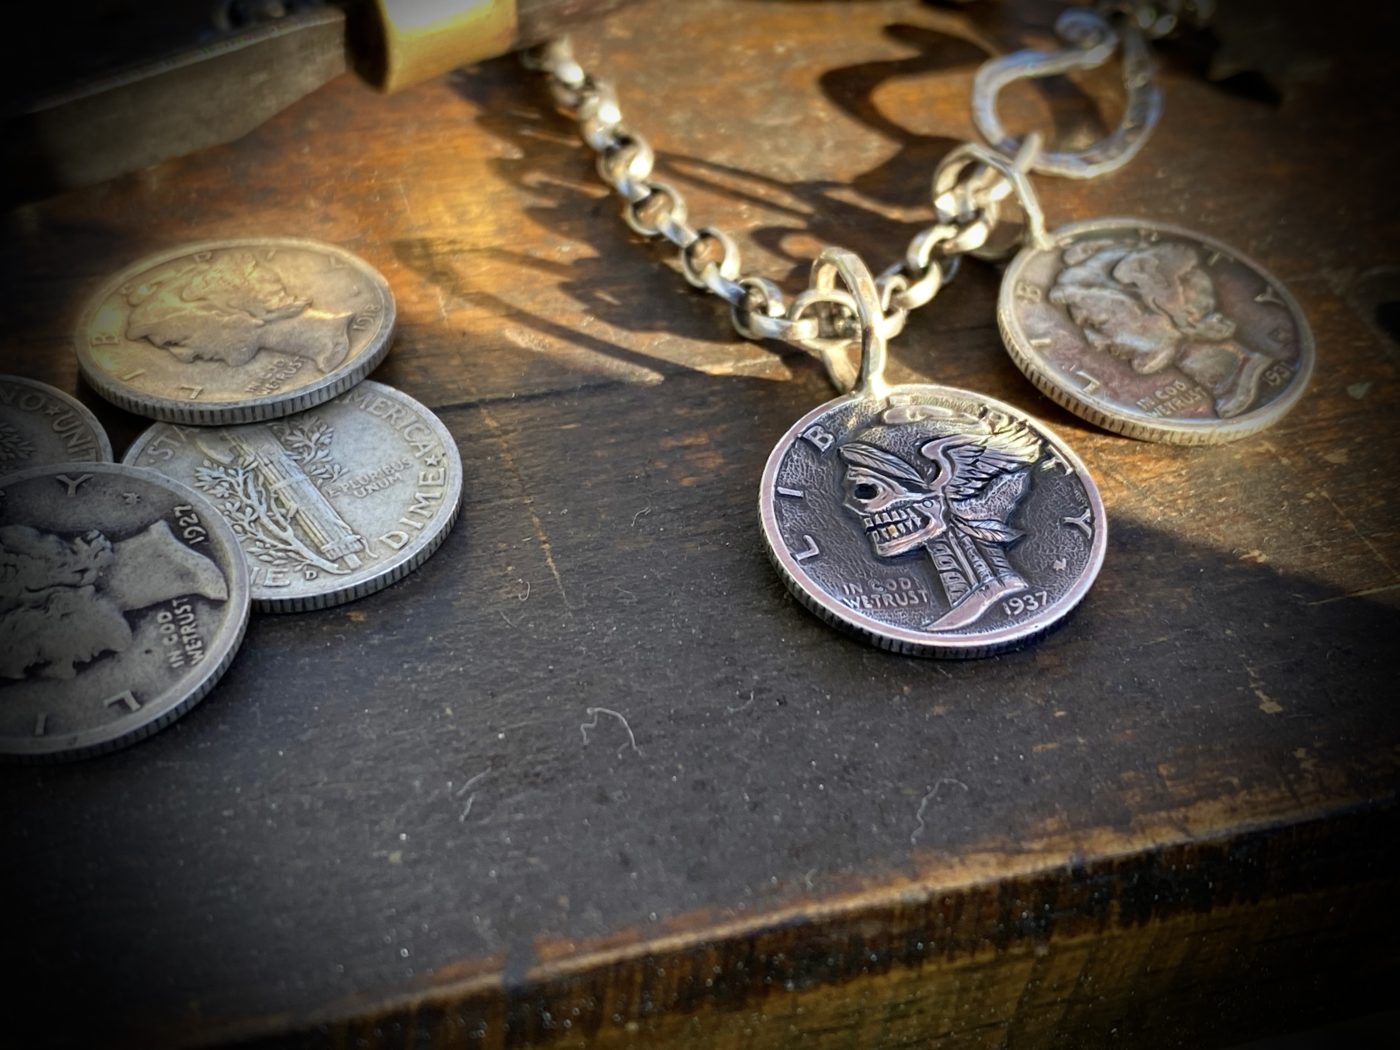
point(590, 777)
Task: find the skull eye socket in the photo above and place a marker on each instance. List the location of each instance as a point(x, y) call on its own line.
point(865, 490)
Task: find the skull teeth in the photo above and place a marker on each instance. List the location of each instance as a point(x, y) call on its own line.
point(889, 517)
point(890, 525)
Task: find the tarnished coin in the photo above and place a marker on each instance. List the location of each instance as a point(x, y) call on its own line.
point(123, 597)
point(235, 331)
point(931, 521)
point(330, 504)
point(41, 425)
point(1155, 332)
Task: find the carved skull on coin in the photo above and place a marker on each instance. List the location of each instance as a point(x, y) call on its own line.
point(952, 495)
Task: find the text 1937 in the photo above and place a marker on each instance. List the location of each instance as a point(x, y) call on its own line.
point(1025, 603)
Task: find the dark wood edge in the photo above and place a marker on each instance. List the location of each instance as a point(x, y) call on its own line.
point(926, 944)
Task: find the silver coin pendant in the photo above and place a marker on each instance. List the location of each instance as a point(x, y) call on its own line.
point(931, 521)
point(1155, 332)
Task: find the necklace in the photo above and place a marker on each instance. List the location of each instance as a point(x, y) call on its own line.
point(938, 521)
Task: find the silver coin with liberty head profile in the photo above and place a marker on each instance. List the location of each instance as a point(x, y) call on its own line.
point(235, 331)
point(925, 519)
point(40, 425)
point(123, 598)
point(330, 504)
point(1155, 332)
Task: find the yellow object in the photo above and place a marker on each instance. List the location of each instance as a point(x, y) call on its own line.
point(422, 38)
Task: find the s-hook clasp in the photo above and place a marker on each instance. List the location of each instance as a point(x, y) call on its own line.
point(1092, 41)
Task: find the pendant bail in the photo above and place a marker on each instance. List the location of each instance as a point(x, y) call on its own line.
point(860, 286)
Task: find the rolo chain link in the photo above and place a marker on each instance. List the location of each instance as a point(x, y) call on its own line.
point(822, 320)
point(1159, 18)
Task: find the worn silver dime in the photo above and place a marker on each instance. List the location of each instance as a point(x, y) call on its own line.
point(235, 331)
point(330, 504)
point(931, 521)
point(41, 425)
point(1155, 332)
point(123, 598)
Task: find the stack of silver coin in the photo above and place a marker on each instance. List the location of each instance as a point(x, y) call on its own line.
point(277, 478)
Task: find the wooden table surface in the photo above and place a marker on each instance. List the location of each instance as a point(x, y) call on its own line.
point(410, 822)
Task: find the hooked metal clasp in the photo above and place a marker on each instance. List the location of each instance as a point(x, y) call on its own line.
point(1092, 40)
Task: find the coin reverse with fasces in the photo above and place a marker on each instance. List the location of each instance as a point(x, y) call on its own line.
point(124, 600)
point(931, 520)
point(40, 425)
point(330, 504)
point(235, 331)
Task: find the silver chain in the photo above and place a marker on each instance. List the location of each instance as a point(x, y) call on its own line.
point(820, 319)
point(1159, 18)
point(970, 186)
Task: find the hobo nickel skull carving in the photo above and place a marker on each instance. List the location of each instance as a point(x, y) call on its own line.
point(931, 521)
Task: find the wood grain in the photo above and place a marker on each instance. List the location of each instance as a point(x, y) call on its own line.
point(410, 822)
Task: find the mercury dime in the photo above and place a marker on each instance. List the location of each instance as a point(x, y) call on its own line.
point(235, 331)
point(1155, 332)
point(931, 521)
point(41, 425)
point(330, 504)
point(123, 597)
